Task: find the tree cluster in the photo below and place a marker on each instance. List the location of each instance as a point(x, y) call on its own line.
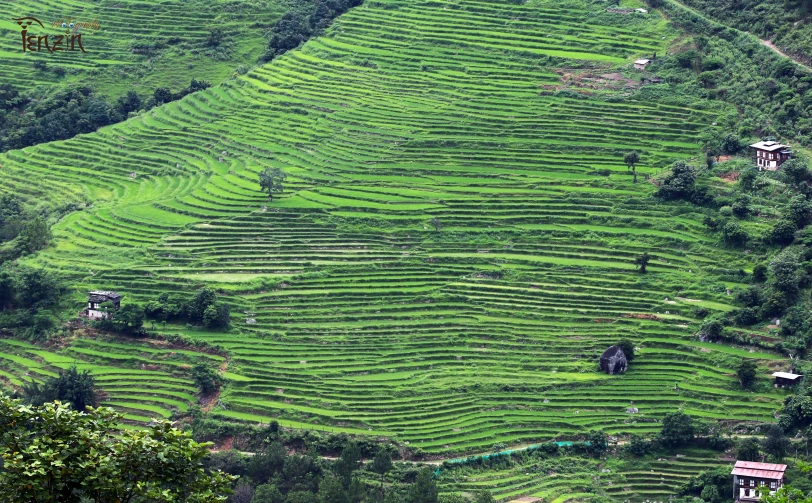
point(273, 475)
point(32, 118)
point(203, 308)
point(71, 387)
point(299, 24)
point(28, 300)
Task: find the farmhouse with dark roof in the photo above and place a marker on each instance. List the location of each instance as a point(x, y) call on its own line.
point(752, 480)
point(95, 298)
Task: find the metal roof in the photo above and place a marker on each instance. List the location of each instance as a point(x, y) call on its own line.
point(786, 375)
point(758, 474)
point(642, 61)
point(759, 470)
point(768, 145)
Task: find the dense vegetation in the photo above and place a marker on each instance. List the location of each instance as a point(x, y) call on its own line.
point(487, 271)
point(785, 23)
point(49, 115)
point(724, 63)
point(479, 198)
point(52, 453)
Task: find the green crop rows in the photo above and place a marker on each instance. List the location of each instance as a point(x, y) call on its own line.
point(138, 45)
point(562, 479)
point(367, 319)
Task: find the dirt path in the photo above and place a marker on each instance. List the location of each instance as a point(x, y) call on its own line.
point(772, 46)
point(765, 43)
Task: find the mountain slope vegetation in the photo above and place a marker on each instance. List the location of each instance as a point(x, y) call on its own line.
point(457, 239)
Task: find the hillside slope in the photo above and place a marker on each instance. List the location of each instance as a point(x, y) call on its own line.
point(367, 317)
point(138, 45)
point(783, 24)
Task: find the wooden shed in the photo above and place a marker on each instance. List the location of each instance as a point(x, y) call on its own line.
point(786, 379)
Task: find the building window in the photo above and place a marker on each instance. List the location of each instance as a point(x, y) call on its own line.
point(752, 483)
point(772, 485)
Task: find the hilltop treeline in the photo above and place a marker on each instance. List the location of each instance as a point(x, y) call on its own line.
point(32, 118)
point(303, 21)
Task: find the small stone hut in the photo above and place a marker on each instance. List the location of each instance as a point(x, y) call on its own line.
point(613, 361)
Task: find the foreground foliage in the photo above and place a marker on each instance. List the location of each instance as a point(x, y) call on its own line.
point(53, 453)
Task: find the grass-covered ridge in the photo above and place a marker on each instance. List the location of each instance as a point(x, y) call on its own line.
point(485, 330)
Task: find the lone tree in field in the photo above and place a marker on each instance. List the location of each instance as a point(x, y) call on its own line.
point(270, 181)
point(631, 158)
point(746, 372)
point(642, 262)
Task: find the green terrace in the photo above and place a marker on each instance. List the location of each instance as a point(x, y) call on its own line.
point(350, 310)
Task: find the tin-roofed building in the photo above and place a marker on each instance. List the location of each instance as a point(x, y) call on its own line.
point(641, 64)
point(786, 379)
point(751, 480)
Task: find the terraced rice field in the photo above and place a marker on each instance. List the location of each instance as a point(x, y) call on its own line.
point(141, 44)
point(141, 381)
point(570, 478)
point(367, 318)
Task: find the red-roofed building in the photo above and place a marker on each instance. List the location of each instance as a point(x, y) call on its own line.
point(751, 479)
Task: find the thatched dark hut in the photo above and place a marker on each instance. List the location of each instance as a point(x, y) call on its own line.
point(613, 360)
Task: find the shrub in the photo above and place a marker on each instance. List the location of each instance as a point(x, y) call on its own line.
point(678, 429)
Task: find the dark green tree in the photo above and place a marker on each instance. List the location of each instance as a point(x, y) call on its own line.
point(130, 102)
point(783, 232)
point(731, 144)
point(70, 386)
point(484, 497)
point(331, 490)
point(746, 372)
point(382, 464)
point(129, 318)
point(206, 379)
point(268, 493)
point(349, 461)
point(748, 450)
point(642, 262)
point(271, 181)
point(35, 235)
point(795, 171)
point(424, 489)
point(677, 430)
point(679, 183)
point(775, 443)
point(162, 95)
point(631, 159)
point(204, 298)
point(217, 316)
point(628, 349)
point(267, 463)
point(597, 443)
